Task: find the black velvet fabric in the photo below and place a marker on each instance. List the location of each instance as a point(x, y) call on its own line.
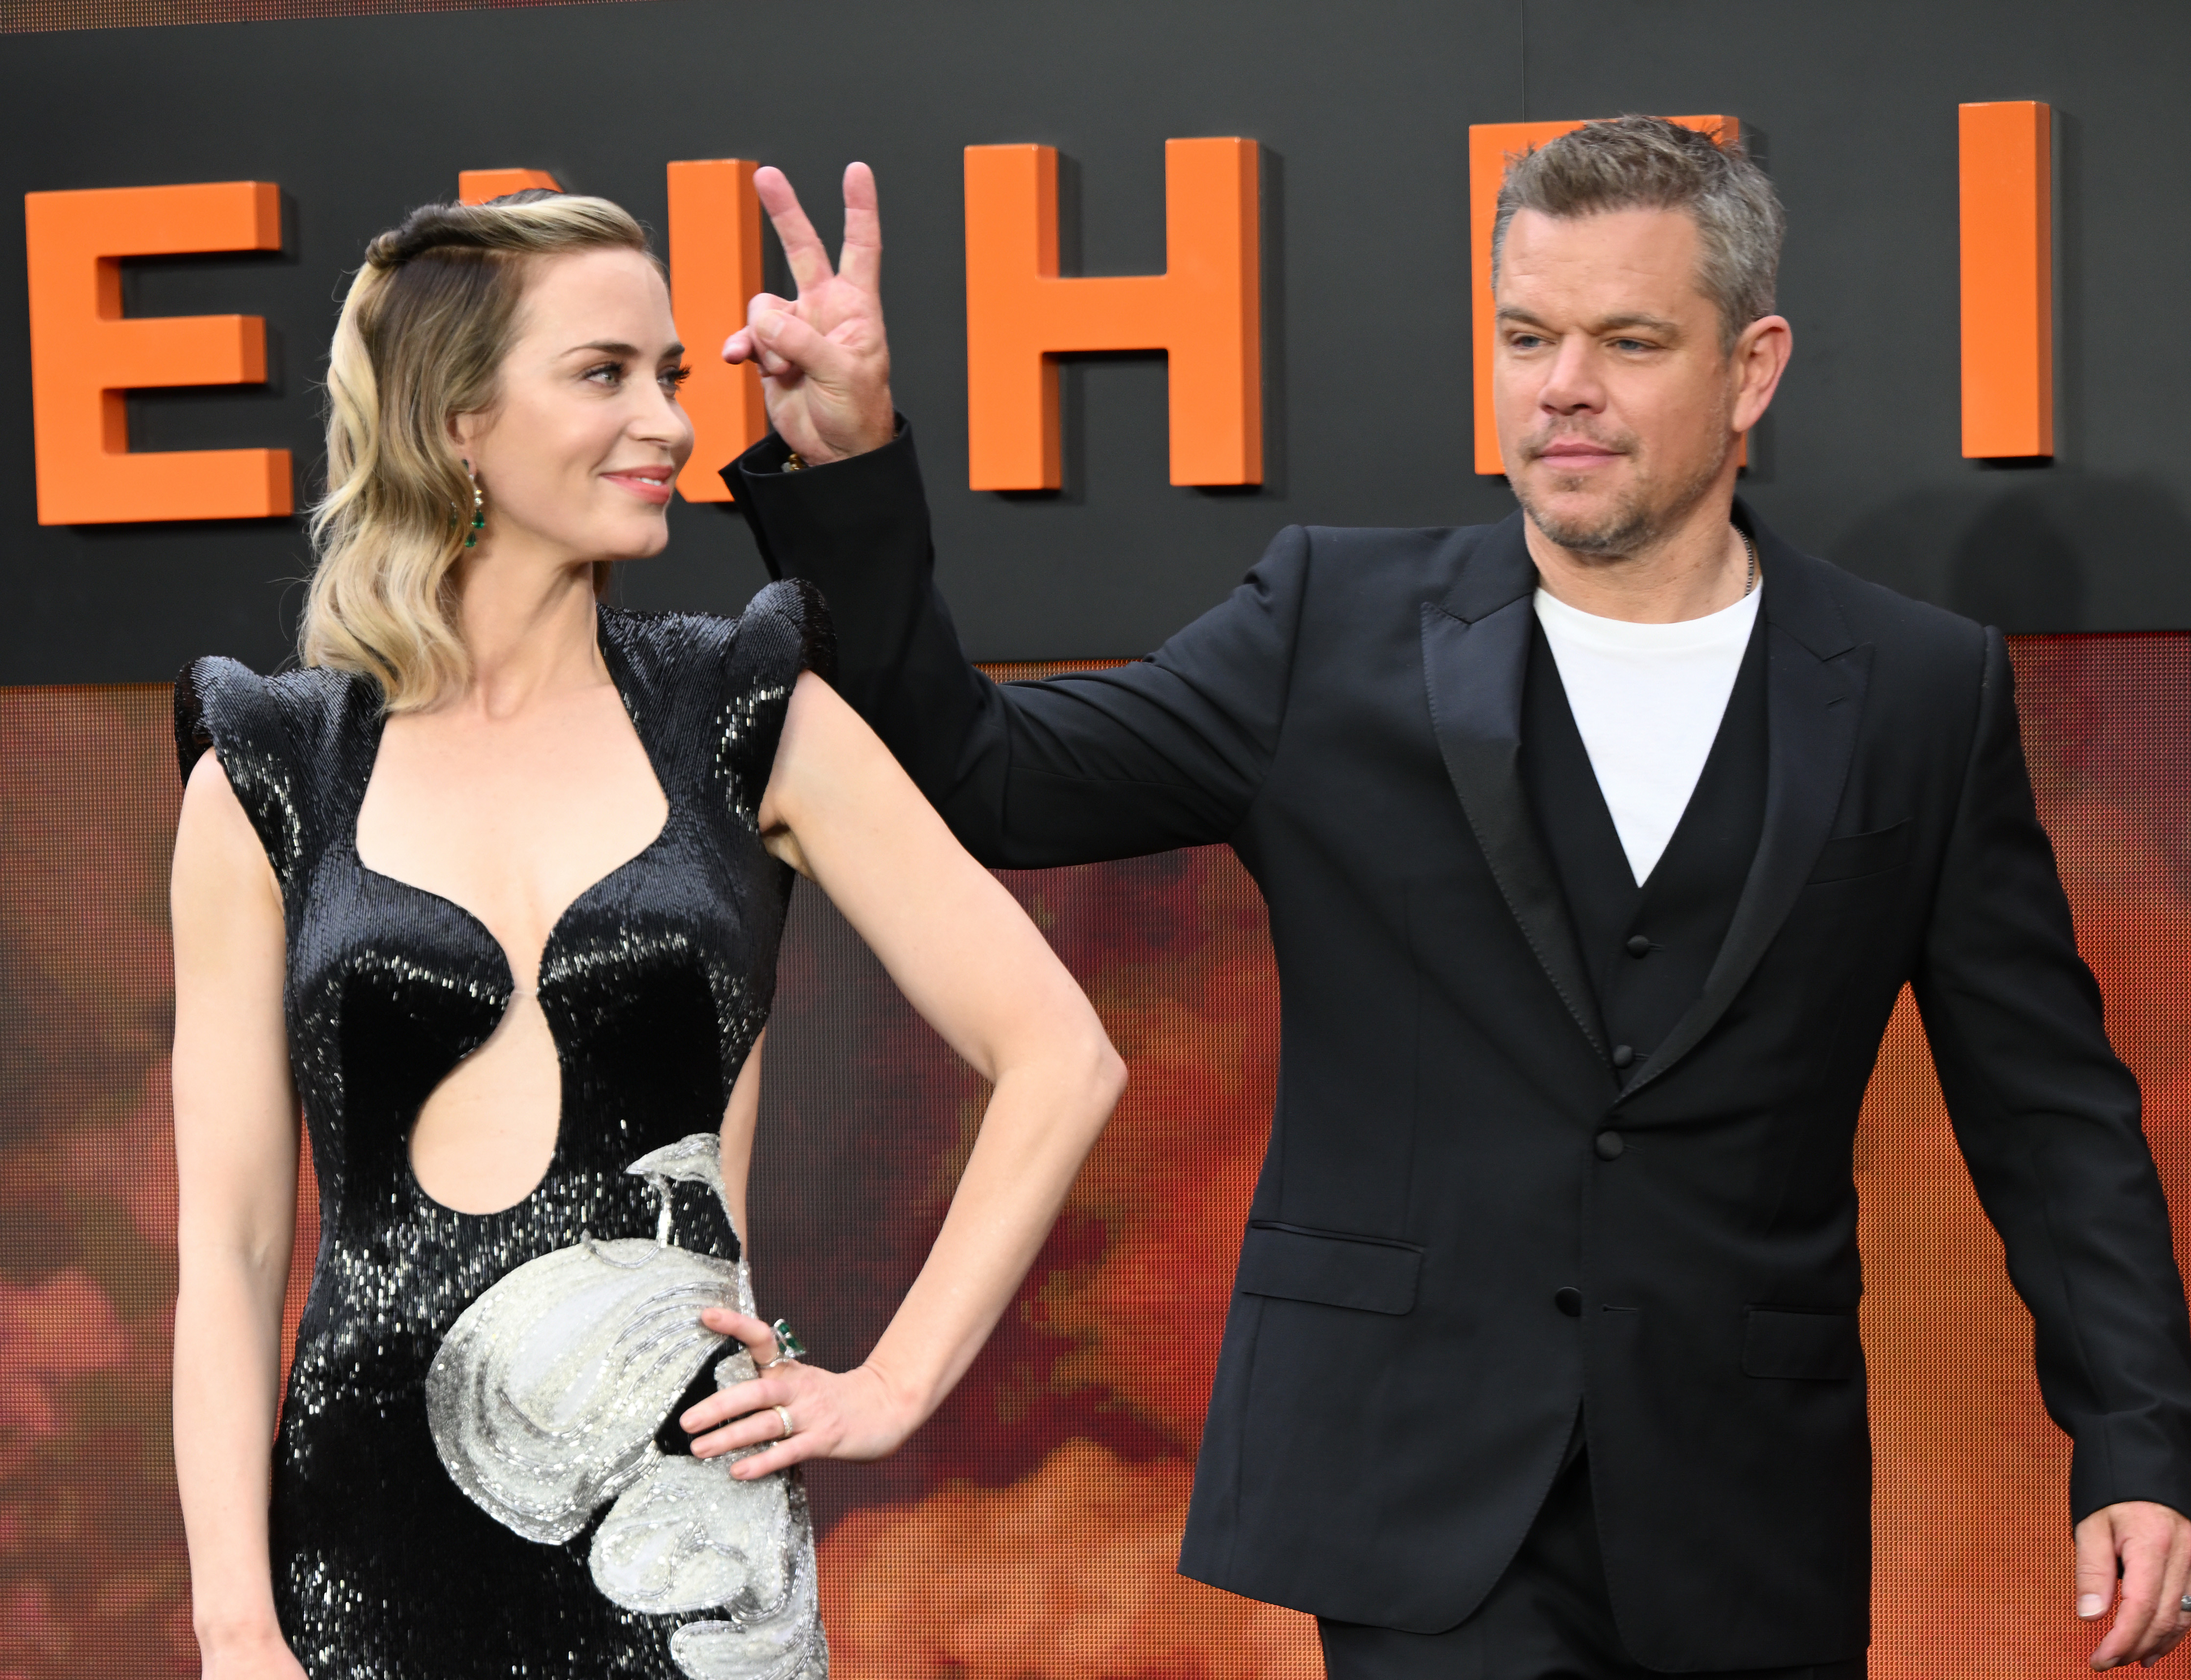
point(655, 984)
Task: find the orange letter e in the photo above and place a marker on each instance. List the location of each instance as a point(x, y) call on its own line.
point(84, 354)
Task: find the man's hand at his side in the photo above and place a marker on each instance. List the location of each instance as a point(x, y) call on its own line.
point(2153, 1544)
point(824, 361)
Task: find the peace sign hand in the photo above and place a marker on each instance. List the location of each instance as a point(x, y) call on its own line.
point(824, 361)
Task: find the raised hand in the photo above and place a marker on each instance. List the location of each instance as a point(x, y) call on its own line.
point(824, 361)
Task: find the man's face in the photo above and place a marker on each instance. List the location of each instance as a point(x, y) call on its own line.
point(1616, 402)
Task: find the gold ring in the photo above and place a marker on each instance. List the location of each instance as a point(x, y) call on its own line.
point(784, 1417)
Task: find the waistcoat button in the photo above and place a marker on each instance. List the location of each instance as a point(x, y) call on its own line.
point(1623, 1054)
point(1569, 1301)
point(1610, 1144)
point(1638, 945)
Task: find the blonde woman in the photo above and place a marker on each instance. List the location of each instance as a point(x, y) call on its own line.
point(492, 887)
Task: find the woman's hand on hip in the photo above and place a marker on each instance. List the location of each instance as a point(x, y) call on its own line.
point(849, 1414)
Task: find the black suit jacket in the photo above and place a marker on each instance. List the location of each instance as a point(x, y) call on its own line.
point(1397, 1385)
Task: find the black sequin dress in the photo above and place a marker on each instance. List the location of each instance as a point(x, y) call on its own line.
point(478, 1470)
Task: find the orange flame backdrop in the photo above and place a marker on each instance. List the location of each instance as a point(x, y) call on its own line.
point(1030, 1531)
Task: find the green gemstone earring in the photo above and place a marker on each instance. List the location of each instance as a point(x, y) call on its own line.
point(479, 508)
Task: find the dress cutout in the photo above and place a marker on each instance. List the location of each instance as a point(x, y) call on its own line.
point(478, 1471)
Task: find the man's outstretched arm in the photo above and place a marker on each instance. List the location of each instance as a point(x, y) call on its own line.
point(1167, 751)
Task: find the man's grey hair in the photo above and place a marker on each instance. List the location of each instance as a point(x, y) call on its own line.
point(1649, 163)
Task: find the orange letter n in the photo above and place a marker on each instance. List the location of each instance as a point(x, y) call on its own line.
point(1204, 311)
point(714, 268)
point(477, 186)
point(85, 354)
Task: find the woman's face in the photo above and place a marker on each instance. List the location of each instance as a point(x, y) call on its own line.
point(577, 455)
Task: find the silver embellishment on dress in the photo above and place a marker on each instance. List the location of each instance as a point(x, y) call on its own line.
point(775, 1642)
point(543, 1400)
point(546, 1393)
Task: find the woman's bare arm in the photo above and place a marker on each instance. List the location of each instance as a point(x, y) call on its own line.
point(839, 807)
point(235, 1150)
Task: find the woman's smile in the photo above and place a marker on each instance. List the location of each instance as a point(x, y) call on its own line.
point(649, 484)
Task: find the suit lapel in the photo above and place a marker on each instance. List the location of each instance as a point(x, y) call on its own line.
point(1815, 681)
point(1475, 653)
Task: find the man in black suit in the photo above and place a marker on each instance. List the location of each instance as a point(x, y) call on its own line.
point(1597, 845)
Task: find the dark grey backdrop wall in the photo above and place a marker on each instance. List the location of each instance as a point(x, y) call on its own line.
point(1363, 111)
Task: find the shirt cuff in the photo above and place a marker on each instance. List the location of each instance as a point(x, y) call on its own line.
point(805, 518)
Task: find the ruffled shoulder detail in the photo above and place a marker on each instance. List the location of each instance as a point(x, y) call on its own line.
point(281, 744)
point(784, 630)
point(794, 621)
point(708, 695)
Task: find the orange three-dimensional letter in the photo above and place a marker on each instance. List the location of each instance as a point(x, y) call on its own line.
point(1490, 145)
point(476, 186)
point(2008, 279)
point(85, 354)
point(1204, 311)
point(715, 270)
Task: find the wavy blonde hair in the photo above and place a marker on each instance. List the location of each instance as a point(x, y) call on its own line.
point(423, 335)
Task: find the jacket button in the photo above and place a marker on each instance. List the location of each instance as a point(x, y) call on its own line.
point(1623, 1054)
point(1638, 945)
point(1569, 1301)
point(1610, 1144)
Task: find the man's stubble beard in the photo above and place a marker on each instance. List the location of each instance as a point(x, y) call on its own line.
point(1635, 524)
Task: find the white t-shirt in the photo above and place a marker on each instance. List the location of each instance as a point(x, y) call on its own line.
point(1648, 699)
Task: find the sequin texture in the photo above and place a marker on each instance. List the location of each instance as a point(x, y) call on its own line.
point(655, 984)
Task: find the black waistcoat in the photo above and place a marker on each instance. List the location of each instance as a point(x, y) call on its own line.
point(1647, 949)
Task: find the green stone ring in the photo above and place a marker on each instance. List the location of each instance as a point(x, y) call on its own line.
point(788, 1344)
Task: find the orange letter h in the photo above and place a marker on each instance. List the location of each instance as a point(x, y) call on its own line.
point(1204, 311)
